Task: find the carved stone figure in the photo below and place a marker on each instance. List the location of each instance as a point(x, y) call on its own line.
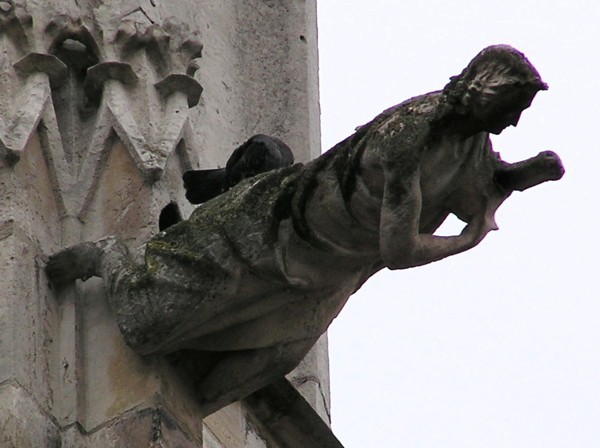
point(257, 274)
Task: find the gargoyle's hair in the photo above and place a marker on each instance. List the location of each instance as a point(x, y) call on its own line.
point(493, 67)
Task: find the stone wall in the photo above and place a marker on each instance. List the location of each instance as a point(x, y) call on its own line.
point(103, 106)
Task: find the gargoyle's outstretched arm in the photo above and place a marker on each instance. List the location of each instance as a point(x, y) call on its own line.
point(401, 244)
point(531, 172)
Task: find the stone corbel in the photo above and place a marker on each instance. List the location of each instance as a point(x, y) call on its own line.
point(43, 63)
point(99, 74)
point(177, 82)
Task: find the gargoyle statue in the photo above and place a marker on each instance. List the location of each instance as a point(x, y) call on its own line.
point(257, 274)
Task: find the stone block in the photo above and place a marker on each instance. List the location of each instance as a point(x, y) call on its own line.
point(27, 317)
point(311, 378)
point(140, 428)
point(23, 423)
point(228, 426)
point(115, 380)
point(232, 427)
point(121, 202)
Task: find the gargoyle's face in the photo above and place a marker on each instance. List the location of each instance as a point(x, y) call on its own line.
point(503, 108)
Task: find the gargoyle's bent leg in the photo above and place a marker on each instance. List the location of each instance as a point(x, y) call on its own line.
point(531, 172)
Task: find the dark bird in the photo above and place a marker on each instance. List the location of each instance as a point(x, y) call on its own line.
point(257, 155)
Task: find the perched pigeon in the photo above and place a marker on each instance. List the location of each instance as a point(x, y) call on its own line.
point(259, 154)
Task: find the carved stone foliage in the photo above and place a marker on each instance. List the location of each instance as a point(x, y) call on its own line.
point(83, 81)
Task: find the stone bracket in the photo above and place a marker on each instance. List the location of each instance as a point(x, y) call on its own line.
point(180, 83)
point(44, 63)
point(102, 72)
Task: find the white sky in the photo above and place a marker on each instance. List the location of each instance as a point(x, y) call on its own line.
point(500, 346)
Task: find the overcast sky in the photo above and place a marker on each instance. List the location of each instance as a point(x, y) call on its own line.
point(499, 346)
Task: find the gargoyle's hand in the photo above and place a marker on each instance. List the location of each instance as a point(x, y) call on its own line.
point(480, 225)
point(76, 262)
point(546, 166)
point(553, 166)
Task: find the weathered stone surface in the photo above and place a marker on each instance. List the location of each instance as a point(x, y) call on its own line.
point(28, 313)
point(309, 377)
point(24, 424)
point(283, 101)
point(145, 428)
point(27, 324)
point(181, 83)
point(230, 428)
point(44, 63)
point(120, 201)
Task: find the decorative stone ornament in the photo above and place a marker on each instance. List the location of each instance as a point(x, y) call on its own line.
point(76, 65)
point(238, 294)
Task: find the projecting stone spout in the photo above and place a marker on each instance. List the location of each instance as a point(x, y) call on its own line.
point(241, 290)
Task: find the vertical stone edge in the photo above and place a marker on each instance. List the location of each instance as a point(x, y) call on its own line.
point(311, 377)
point(312, 58)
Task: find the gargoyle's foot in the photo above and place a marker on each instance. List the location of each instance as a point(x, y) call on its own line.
point(80, 261)
point(531, 172)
